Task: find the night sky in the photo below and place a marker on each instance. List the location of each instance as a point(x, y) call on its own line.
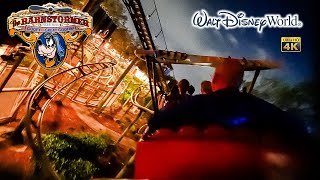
point(180, 35)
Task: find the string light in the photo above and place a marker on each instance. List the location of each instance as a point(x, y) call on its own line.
point(156, 36)
point(155, 9)
point(149, 16)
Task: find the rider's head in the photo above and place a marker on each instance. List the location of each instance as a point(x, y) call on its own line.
point(228, 74)
point(183, 86)
point(206, 87)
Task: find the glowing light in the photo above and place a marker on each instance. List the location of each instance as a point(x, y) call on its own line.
point(106, 46)
point(238, 121)
point(140, 75)
point(277, 159)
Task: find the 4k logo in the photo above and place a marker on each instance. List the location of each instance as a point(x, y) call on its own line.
point(290, 44)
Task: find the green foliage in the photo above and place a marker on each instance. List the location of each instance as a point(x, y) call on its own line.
point(75, 169)
point(127, 93)
point(297, 98)
point(122, 39)
point(127, 78)
point(116, 10)
point(282, 94)
point(133, 129)
point(133, 84)
point(75, 156)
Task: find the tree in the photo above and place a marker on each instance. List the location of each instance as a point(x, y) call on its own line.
point(77, 3)
point(116, 11)
point(283, 95)
point(142, 65)
point(298, 99)
point(123, 41)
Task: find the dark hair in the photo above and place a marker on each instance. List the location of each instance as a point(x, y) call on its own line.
point(172, 83)
point(184, 85)
point(174, 95)
point(191, 90)
point(174, 91)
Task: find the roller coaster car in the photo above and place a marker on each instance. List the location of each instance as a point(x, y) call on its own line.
point(218, 153)
point(214, 153)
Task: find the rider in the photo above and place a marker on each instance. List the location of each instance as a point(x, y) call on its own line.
point(229, 107)
point(206, 87)
point(184, 86)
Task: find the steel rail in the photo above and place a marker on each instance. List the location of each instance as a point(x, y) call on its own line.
point(28, 120)
point(135, 103)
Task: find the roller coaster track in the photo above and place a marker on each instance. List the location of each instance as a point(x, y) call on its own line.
point(142, 130)
point(138, 17)
point(134, 96)
point(134, 100)
point(79, 73)
point(32, 105)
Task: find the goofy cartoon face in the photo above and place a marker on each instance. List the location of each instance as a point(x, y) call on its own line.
point(49, 50)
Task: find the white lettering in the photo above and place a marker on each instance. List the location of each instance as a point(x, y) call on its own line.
point(229, 20)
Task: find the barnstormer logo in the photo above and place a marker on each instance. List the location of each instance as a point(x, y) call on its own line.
point(50, 29)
